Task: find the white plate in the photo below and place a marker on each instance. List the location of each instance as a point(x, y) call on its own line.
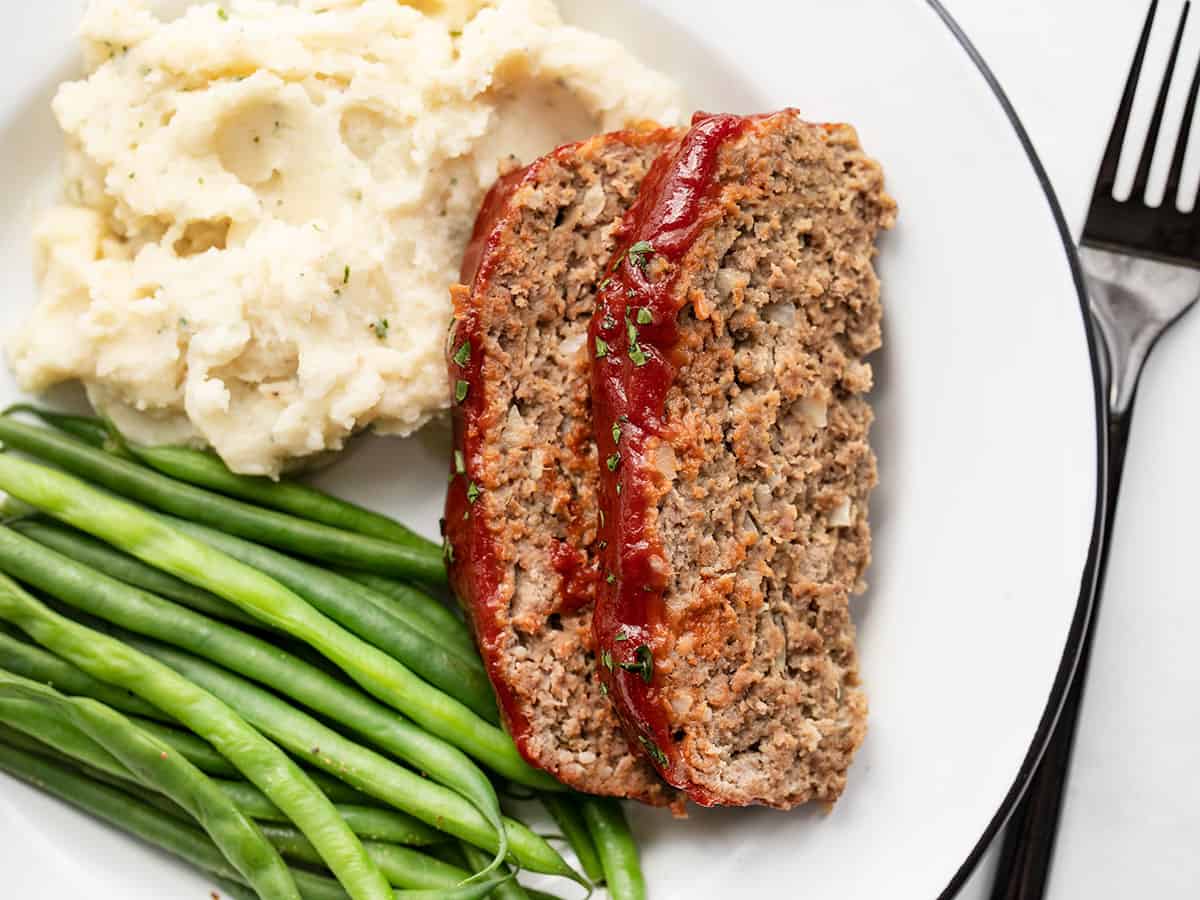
point(986, 436)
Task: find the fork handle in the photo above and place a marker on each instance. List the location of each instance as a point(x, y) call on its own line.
point(1028, 849)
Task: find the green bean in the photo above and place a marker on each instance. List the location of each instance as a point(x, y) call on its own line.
point(39, 725)
point(368, 822)
point(96, 554)
point(407, 638)
point(34, 663)
point(615, 846)
point(88, 429)
point(357, 766)
point(210, 762)
point(510, 890)
point(152, 763)
point(311, 539)
point(401, 866)
point(472, 891)
point(147, 537)
point(206, 470)
point(256, 758)
point(145, 614)
point(398, 595)
point(564, 809)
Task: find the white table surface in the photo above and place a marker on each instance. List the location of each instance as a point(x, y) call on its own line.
point(1131, 823)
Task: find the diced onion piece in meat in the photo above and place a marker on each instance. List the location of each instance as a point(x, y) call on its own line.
point(782, 314)
point(593, 204)
point(841, 516)
point(572, 344)
point(815, 411)
point(730, 280)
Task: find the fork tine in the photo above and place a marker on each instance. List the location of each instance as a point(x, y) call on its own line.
point(1142, 178)
point(1107, 178)
point(1175, 175)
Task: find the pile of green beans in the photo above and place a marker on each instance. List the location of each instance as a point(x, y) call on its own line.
point(145, 614)
point(146, 536)
point(153, 685)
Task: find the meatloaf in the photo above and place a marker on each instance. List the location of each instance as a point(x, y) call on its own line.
point(521, 516)
point(730, 411)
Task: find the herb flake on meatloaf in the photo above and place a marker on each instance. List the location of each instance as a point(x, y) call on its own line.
point(731, 417)
point(521, 515)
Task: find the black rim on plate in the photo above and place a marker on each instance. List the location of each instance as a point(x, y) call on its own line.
point(1087, 588)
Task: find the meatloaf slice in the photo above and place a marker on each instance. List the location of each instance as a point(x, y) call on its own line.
point(728, 392)
point(521, 513)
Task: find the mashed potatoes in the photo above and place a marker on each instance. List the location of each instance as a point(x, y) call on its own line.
point(267, 202)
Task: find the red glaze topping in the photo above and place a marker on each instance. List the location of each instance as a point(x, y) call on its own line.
point(471, 549)
point(578, 576)
point(471, 552)
point(633, 368)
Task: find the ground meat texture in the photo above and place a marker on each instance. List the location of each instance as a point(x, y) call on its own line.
point(522, 511)
point(732, 425)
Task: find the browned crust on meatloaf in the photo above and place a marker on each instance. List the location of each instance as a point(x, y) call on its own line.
point(756, 472)
point(523, 547)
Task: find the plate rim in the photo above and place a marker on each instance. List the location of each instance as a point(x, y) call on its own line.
point(1092, 573)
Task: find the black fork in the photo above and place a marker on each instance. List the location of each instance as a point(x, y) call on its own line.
point(1142, 266)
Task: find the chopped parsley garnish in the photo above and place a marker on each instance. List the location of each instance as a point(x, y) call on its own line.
point(606, 659)
point(460, 463)
point(644, 665)
point(622, 635)
point(616, 433)
point(638, 253)
point(605, 283)
point(222, 15)
point(636, 353)
point(448, 550)
point(381, 328)
point(346, 273)
point(604, 689)
point(462, 356)
point(653, 750)
point(608, 323)
point(613, 462)
point(473, 492)
point(601, 348)
point(461, 389)
point(644, 316)
point(611, 579)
